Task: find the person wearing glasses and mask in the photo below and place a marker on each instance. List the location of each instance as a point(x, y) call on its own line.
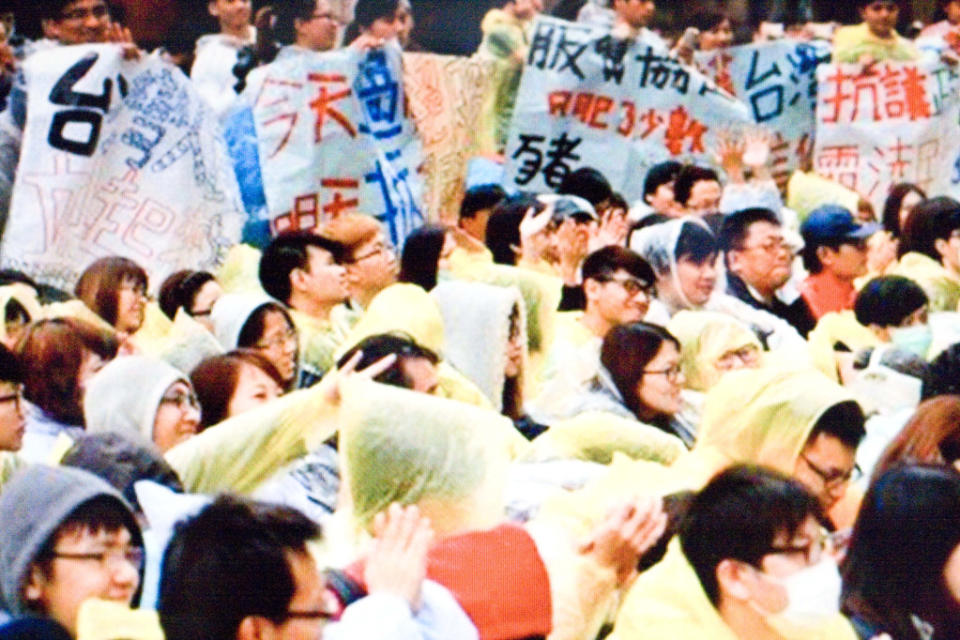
point(751, 562)
point(66, 536)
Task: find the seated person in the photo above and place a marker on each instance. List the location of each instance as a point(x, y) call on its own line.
point(478, 203)
point(698, 191)
point(658, 196)
point(748, 545)
point(67, 536)
point(303, 270)
point(929, 251)
point(369, 258)
point(251, 562)
point(875, 39)
point(835, 254)
point(894, 308)
point(193, 291)
point(759, 262)
point(12, 419)
point(618, 287)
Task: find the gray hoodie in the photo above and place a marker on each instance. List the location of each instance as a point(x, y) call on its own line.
point(33, 505)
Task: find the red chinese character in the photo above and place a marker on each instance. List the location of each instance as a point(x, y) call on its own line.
point(721, 67)
point(898, 161)
point(915, 93)
point(338, 203)
point(840, 163)
point(841, 95)
point(653, 120)
point(322, 105)
point(680, 127)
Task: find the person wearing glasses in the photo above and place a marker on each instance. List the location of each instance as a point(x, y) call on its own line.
point(751, 562)
point(13, 424)
point(143, 398)
point(797, 422)
point(251, 562)
point(115, 289)
point(633, 405)
point(368, 257)
point(618, 288)
point(303, 270)
point(65, 536)
point(759, 263)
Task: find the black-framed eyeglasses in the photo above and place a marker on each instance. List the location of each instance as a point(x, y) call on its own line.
point(672, 373)
point(313, 614)
point(632, 286)
point(811, 551)
point(834, 478)
point(379, 250)
point(181, 399)
point(108, 559)
point(16, 397)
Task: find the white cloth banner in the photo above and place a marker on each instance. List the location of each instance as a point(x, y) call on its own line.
point(778, 82)
point(118, 158)
point(588, 99)
point(332, 135)
point(895, 124)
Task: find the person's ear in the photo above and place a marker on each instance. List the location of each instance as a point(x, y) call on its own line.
point(825, 255)
point(298, 279)
point(256, 628)
point(883, 333)
point(36, 579)
point(51, 29)
point(942, 247)
point(734, 579)
point(732, 259)
point(591, 289)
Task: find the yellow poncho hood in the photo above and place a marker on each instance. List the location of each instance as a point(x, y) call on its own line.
point(705, 336)
point(446, 456)
point(761, 416)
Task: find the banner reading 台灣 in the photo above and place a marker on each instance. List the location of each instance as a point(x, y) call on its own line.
point(589, 99)
point(778, 82)
point(118, 157)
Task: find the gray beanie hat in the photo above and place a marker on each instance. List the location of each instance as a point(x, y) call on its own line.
point(33, 505)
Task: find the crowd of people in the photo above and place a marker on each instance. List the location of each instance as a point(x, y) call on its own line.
point(566, 416)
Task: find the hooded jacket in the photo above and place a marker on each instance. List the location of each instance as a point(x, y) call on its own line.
point(32, 507)
point(124, 396)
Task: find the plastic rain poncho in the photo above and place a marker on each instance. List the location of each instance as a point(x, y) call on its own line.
point(476, 321)
point(445, 456)
point(25, 296)
point(705, 337)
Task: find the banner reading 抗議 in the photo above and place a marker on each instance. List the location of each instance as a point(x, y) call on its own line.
point(330, 135)
point(898, 122)
point(589, 99)
point(118, 157)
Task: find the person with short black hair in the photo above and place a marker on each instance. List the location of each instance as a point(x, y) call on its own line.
point(759, 262)
point(895, 309)
point(698, 190)
point(835, 254)
point(943, 376)
point(12, 419)
point(929, 251)
point(876, 38)
point(618, 286)
point(251, 562)
point(589, 184)
point(749, 544)
point(414, 367)
point(304, 271)
point(658, 186)
point(478, 203)
point(66, 536)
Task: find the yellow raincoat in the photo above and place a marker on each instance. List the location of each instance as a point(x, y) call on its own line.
point(240, 271)
point(833, 328)
point(668, 601)
point(705, 337)
point(244, 451)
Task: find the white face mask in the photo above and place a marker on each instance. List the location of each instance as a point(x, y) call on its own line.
point(813, 598)
point(915, 339)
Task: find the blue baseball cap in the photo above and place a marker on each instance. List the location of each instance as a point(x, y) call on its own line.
point(831, 223)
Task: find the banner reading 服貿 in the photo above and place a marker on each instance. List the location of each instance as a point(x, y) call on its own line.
point(589, 99)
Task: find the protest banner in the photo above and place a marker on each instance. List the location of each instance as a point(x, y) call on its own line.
point(446, 94)
point(778, 82)
point(118, 157)
point(896, 123)
point(589, 99)
point(331, 135)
